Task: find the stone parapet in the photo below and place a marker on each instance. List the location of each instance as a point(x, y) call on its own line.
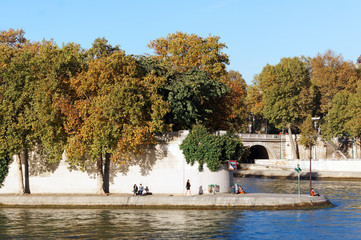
point(216, 201)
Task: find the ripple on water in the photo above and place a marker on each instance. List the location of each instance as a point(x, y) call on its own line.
point(339, 222)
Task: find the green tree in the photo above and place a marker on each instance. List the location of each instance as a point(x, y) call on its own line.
point(353, 125)
point(286, 94)
point(33, 77)
point(337, 117)
point(17, 83)
point(190, 95)
point(206, 148)
point(4, 168)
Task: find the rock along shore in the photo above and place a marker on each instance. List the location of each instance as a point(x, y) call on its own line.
point(249, 201)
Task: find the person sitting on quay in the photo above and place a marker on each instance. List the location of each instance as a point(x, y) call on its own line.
point(141, 189)
point(147, 191)
point(241, 190)
point(313, 193)
point(135, 189)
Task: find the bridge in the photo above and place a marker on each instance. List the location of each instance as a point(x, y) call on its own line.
point(274, 146)
point(266, 146)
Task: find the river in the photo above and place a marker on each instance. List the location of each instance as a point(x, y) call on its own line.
point(340, 222)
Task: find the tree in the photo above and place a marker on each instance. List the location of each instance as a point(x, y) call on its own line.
point(335, 121)
point(353, 125)
point(255, 106)
point(286, 94)
point(16, 87)
point(4, 168)
point(191, 95)
point(330, 74)
point(183, 52)
point(210, 149)
point(115, 112)
point(230, 109)
point(33, 77)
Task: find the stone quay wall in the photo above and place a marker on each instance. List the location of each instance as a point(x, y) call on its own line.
point(162, 168)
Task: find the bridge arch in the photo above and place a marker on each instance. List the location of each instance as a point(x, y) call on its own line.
point(260, 150)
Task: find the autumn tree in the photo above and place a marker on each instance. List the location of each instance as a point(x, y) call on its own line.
point(115, 113)
point(330, 74)
point(183, 52)
point(230, 110)
point(255, 106)
point(286, 94)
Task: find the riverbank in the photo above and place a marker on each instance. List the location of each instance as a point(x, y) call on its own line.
point(285, 174)
point(260, 201)
point(262, 170)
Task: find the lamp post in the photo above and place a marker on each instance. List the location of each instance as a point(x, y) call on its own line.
point(298, 170)
point(315, 120)
point(280, 145)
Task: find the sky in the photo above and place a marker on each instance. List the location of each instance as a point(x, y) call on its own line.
point(256, 32)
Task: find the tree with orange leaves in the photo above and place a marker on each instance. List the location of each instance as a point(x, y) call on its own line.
point(183, 52)
point(116, 112)
point(231, 111)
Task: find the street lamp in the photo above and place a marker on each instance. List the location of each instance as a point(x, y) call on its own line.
point(315, 120)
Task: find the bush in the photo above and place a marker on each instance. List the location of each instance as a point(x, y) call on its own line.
point(4, 168)
point(204, 147)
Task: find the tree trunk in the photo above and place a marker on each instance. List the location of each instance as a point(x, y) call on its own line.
point(20, 175)
point(26, 171)
point(292, 143)
point(100, 179)
point(106, 172)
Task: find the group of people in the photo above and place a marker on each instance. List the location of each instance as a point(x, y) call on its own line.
point(237, 189)
point(141, 190)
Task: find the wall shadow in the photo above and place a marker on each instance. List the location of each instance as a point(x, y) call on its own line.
point(39, 164)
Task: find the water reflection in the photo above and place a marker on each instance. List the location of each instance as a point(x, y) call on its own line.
point(341, 221)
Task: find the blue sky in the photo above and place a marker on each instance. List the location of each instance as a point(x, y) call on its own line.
point(256, 32)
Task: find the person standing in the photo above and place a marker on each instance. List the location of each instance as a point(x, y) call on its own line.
point(188, 188)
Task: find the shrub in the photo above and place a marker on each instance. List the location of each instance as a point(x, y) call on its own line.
point(204, 147)
point(4, 168)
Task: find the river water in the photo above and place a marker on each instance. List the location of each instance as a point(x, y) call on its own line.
point(340, 222)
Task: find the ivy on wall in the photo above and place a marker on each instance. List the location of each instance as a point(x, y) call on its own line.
point(4, 168)
point(206, 148)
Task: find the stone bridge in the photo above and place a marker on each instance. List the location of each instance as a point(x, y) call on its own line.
point(274, 146)
point(266, 146)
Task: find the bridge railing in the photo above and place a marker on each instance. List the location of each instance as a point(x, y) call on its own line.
point(261, 136)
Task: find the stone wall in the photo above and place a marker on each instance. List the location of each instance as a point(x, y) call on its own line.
point(162, 168)
point(337, 165)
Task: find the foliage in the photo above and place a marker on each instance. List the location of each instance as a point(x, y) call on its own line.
point(337, 116)
point(286, 92)
point(308, 133)
point(210, 149)
point(330, 74)
point(116, 109)
point(190, 95)
point(4, 168)
point(17, 84)
point(230, 109)
point(353, 125)
point(183, 52)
